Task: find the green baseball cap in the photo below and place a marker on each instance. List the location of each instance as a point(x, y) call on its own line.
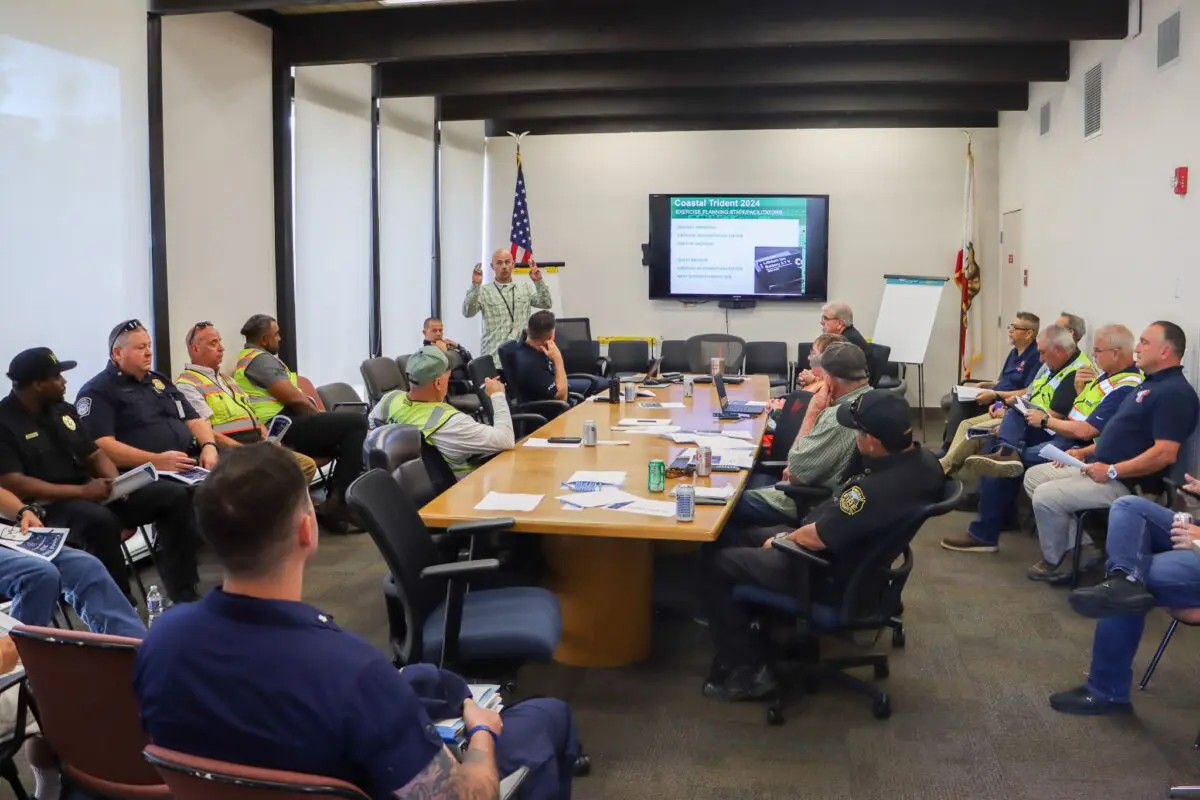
point(426, 365)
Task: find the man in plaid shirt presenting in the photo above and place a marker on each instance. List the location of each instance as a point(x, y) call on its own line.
point(506, 305)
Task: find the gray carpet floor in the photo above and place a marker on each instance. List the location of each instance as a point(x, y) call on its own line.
point(985, 648)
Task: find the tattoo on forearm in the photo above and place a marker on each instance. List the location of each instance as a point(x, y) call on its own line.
point(445, 779)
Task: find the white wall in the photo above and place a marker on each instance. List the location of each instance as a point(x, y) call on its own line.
point(406, 129)
point(896, 206)
point(74, 180)
point(219, 179)
point(463, 245)
point(1102, 232)
point(332, 130)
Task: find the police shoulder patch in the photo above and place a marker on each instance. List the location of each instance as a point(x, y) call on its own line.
point(852, 501)
point(83, 406)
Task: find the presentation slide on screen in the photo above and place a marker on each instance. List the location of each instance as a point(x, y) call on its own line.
point(739, 245)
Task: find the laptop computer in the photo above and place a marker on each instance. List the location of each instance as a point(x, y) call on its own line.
point(735, 406)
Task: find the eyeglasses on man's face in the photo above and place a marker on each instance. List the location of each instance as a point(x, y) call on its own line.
point(1012, 327)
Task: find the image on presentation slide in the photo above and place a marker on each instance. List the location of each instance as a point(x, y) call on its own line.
point(778, 269)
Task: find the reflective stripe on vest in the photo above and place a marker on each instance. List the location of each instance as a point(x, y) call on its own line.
point(229, 415)
point(428, 417)
point(1041, 391)
point(1094, 393)
point(265, 406)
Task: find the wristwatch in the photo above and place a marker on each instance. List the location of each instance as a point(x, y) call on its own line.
point(34, 508)
point(1045, 423)
point(1112, 472)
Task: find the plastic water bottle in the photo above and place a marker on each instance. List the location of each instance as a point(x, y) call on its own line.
point(154, 606)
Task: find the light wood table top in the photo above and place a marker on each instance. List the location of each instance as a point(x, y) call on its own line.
point(529, 470)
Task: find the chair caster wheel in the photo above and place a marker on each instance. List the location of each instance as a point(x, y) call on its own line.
point(898, 638)
point(882, 709)
point(774, 715)
point(583, 766)
point(882, 671)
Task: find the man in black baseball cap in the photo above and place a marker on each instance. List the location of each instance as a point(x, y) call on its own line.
point(897, 478)
point(37, 364)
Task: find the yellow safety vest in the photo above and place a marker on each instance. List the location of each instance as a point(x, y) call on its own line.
point(1094, 393)
point(1041, 391)
point(265, 406)
point(428, 417)
point(231, 413)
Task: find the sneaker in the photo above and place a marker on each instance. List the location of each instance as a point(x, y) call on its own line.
point(743, 683)
point(967, 543)
point(1080, 700)
point(1006, 464)
point(1118, 596)
point(1089, 559)
point(1044, 571)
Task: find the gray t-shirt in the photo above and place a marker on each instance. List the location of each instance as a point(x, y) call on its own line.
point(266, 369)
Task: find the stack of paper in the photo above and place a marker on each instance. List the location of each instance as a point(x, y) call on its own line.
point(499, 501)
point(967, 393)
point(532, 442)
point(600, 499)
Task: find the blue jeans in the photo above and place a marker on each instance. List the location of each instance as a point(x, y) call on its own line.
point(585, 386)
point(998, 495)
point(540, 734)
point(1015, 432)
point(1139, 544)
point(35, 584)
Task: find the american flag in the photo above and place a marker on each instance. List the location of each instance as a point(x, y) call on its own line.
point(520, 236)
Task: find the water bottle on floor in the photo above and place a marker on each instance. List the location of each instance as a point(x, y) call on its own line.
point(154, 606)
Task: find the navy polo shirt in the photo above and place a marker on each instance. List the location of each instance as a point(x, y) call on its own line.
point(1165, 406)
point(1018, 370)
point(149, 414)
point(534, 371)
point(278, 685)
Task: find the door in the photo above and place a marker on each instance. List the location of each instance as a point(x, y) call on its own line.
point(1012, 276)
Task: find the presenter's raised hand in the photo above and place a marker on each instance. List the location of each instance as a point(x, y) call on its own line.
point(535, 272)
point(477, 274)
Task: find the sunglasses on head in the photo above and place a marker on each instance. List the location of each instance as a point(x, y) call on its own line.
point(126, 327)
point(199, 326)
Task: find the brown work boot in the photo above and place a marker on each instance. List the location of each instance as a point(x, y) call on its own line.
point(967, 543)
point(1005, 464)
point(336, 517)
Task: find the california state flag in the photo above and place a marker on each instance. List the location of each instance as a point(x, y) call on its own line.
point(966, 277)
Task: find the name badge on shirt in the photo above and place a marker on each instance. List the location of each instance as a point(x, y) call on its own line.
point(179, 408)
point(29, 436)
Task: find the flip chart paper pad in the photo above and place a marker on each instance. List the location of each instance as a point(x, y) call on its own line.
point(906, 316)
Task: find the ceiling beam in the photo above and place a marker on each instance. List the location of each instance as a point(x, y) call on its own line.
point(543, 27)
point(790, 66)
point(924, 119)
point(210, 6)
point(738, 102)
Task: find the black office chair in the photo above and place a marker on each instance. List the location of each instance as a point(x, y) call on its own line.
point(431, 616)
point(342, 397)
point(674, 356)
point(702, 349)
point(770, 359)
point(628, 358)
point(787, 428)
point(871, 602)
point(461, 393)
point(381, 375)
point(391, 447)
point(884, 374)
point(581, 353)
point(526, 421)
point(803, 352)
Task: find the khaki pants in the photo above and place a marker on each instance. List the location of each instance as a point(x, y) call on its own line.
point(1057, 494)
point(307, 465)
point(961, 447)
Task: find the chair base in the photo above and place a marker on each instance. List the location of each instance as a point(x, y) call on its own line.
point(833, 671)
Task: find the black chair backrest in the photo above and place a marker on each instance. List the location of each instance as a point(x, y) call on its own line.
point(480, 369)
point(572, 329)
point(333, 394)
point(877, 359)
point(674, 356)
point(580, 357)
point(417, 466)
point(389, 446)
point(404, 542)
point(872, 595)
point(707, 346)
point(766, 358)
point(507, 366)
point(788, 424)
point(402, 365)
point(803, 351)
point(381, 375)
point(630, 356)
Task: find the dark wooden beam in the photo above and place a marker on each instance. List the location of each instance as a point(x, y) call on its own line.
point(283, 98)
point(210, 6)
point(541, 27)
point(160, 302)
point(716, 122)
point(701, 102)
point(790, 66)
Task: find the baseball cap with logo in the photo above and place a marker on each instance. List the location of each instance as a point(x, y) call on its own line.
point(37, 364)
point(426, 365)
point(881, 414)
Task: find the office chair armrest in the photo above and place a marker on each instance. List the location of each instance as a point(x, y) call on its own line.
point(575, 398)
point(533, 421)
point(478, 526)
point(601, 366)
point(800, 491)
point(796, 551)
point(359, 406)
point(545, 408)
point(511, 784)
point(457, 569)
point(773, 466)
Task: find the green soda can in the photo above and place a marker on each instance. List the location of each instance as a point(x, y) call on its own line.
point(656, 480)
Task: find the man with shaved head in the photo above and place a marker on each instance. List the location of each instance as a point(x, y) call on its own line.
point(506, 306)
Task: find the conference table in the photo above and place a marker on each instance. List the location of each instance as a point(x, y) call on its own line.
point(601, 560)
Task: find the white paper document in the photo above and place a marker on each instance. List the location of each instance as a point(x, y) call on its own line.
point(661, 405)
point(499, 501)
point(635, 422)
point(604, 497)
point(546, 443)
point(1023, 406)
point(968, 393)
point(612, 442)
point(609, 477)
point(743, 459)
point(648, 430)
point(189, 476)
point(654, 508)
point(645, 393)
point(41, 542)
point(714, 492)
point(1054, 454)
point(131, 481)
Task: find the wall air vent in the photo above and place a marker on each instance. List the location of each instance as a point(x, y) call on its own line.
point(1044, 119)
point(1093, 83)
point(1168, 41)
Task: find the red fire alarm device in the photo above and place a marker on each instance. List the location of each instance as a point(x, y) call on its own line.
point(1180, 182)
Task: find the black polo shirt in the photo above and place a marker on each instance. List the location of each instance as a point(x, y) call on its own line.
point(532, 371)
point(52, 446)
point(150, 414)
point(1164, 407)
